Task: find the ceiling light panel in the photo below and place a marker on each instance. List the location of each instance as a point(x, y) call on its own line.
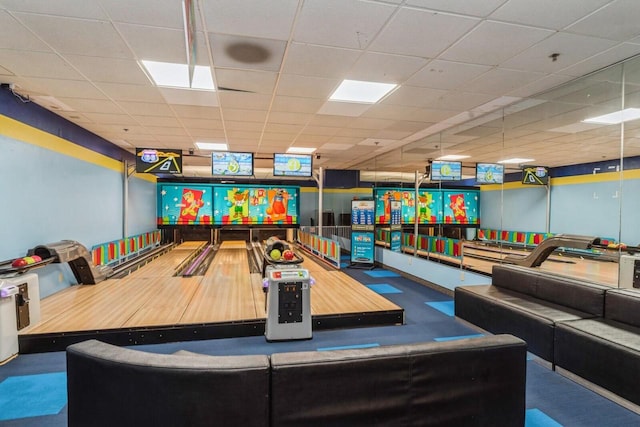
point(363, 92)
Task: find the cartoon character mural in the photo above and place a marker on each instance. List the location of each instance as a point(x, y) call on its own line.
point(424, 207)
point(238, 203)
point(459, 208)
point(278, 200)
point(190, 205)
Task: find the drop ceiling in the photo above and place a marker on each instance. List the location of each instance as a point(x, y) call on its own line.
point(276, 62)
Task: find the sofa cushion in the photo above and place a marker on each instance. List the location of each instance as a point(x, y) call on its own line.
point(577, 294)
point(114, 386)
point(623, 305)
point(604, 352)
point(468, 382)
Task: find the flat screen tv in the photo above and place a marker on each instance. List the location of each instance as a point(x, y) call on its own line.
point(231, 164)
point(442, 170)
point(489, 173)
point(535, 175)
point(151, 160)
point(292, 165)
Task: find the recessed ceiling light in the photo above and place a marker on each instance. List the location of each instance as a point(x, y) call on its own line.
point(169, 74)
point(453, 157)
point(515, 160)
point(616, 117)
point(214, 146)
point(359, 91)
point(301, 150)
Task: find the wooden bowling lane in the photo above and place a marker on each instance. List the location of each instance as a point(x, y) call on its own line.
point(225, 292)
point(168, 262)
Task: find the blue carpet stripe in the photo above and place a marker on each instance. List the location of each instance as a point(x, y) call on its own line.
point(536, 418)
point(384, 288)
point(459, 337)
point(381, 273)
point(32, 395)
point(349, 347)
point(445, 307)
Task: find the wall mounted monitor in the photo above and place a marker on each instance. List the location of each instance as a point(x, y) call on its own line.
point(535, 175)
point(442, 170)
point(292, 165)
point(151, 160)
point(489, 173)
point(231, 164)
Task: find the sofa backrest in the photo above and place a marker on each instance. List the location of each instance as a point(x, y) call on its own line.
point(577, 294)
point(115, 386)
point(469, 382)
point(623, 305)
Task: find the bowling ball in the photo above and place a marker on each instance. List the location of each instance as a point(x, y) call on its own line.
point(19, 262)
point(36, 258)
point(275, 254)
point(288, 255)
point(29, 260)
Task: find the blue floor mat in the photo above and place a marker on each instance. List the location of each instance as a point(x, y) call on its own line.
point(384, 288)
point(381, 273)
point(536, 418)
point(446, 307)
point(32, 395)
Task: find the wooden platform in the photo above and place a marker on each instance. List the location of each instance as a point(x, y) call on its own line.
point(151, 305)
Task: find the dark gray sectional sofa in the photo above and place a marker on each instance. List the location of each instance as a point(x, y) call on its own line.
point(529, 304)
point(590, 330)
point(605, 351)
point(471, 382)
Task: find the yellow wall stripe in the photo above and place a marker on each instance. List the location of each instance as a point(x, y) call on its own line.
point(17, 130)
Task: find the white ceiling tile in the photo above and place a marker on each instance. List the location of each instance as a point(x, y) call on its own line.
point(65, 88)
point(601, 60)
point(158, 121)
point(500, 80)
point(71, 8)
point(617, 21)
point(283, 128)
point(146, 108)
point(571, 47)
point(244, 80)
point(192, 124)
point(296, 104)
point(391, 134)
point(62, 34)
point(93, 105)
point(246, 52)
point(305, 86)
point(370, 123)
point(13, 35)
point(389, 112)
point(540, 85)
point(491, 43)
point(235, 114)
point(446, 74)
point(38, 64)
point(162, 131)
point(320, 130)
point(249, 101)
point(247, 126)
point(253, 18)
point(421, 33)
point(385, 68)
point(413, 96)
point(156, 13)
point(197, 112)
point(353, 133)
point(430, 115)
point(306, 140)
point(246, 135)
point(189, 97)
point(552, 14)
point(351, 24)
point(126, 92)
point(460, 100)
point(289, 118)
point(112, 119)
point(332, 146)
point(473, 8)
point(349, 109)
point(161, 44)
point(321, 61)
point(329, 120)
point(111, 70)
